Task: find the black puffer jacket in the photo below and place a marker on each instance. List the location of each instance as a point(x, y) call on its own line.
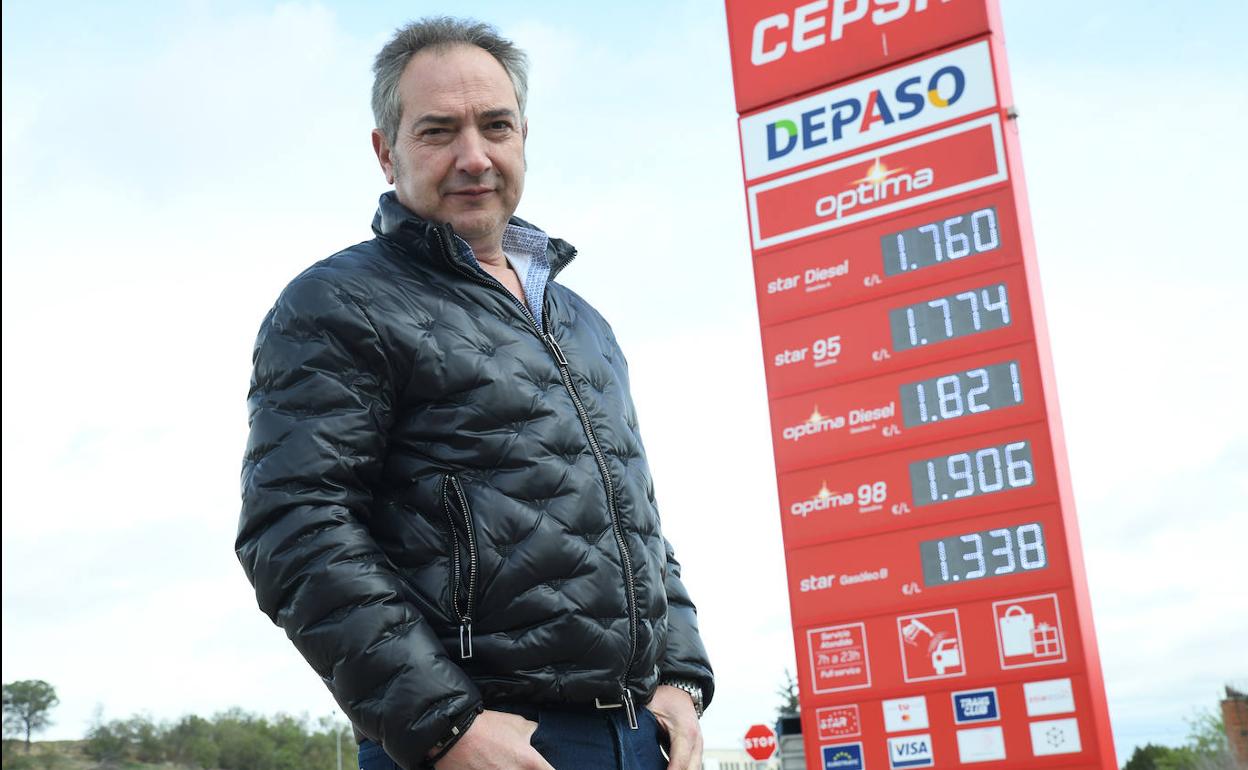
point(438, 509)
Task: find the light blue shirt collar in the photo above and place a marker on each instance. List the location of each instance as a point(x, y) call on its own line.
point(525, 249)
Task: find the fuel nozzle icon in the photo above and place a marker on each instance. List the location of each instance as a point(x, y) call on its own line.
point(910, 632)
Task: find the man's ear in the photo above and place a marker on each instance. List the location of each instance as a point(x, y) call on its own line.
point(382, 148)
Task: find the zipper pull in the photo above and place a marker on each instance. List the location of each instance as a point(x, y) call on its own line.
point(465, 639)
point(629, 707)
point(554, 348)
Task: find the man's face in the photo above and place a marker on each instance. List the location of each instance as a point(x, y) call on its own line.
point(459, 153)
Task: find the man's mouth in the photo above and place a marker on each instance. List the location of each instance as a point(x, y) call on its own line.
point(472, 192)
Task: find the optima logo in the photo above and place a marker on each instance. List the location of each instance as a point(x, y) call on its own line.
point(828, 123)
point(937, 90)
point(823, 500)
point(878, 185)
point(816, 423)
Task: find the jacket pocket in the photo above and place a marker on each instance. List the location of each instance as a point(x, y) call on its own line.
point(463, 567)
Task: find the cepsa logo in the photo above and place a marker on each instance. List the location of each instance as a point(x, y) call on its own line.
point(816, 24)
point(936, 90)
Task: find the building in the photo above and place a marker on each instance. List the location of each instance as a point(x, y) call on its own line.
point(1235, 719)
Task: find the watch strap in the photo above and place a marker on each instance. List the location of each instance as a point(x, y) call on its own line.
point(693, 688)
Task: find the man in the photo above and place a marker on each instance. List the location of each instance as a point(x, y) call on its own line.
point(446, 503)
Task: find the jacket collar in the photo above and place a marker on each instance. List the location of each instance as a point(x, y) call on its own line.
point(397, 223)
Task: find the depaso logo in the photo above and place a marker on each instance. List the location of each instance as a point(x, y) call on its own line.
point(829, 123)
point(921, 95)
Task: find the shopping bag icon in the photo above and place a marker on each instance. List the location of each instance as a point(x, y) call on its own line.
point(1017, 626)
point(1029, 631)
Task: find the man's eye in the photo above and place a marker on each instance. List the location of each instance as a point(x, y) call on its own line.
point(500, 125)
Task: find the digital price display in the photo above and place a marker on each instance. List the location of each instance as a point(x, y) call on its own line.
point(946, 318)
point(961, 394)
point(935, 242)
point(980, 312)
point(977, 472)
point(865, 262)
point(975, 555)
point(928, 403)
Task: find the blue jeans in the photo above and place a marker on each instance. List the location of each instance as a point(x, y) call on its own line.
point(580, 739)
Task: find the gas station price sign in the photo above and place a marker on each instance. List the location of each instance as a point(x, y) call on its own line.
point(939, 600)
point(918, 485)
point(979, 312)
point(1022, 549)
point(887, 256)
point(966, 395)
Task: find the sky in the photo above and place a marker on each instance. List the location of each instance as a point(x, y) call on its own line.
point(168, 167)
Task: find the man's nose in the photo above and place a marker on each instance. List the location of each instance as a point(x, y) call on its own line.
point(472, 158)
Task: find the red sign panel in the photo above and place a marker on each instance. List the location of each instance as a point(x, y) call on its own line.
point(914, 487)
point(887, 256)
point(888, 573)
point(939, 165)
point(783, 47)
point(981, 311)
point(977, 393)
point(951, 646)
point(940, 612)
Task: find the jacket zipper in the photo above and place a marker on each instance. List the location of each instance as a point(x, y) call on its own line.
point(565, 372)
point(451, 486)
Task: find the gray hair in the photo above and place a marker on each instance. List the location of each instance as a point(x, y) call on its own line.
point(438, 32)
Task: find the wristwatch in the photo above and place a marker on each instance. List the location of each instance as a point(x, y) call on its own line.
point(694, 690)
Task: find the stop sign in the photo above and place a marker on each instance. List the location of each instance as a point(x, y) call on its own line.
point(760, 742)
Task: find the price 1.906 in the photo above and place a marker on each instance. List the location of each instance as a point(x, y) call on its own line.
point(966, 474)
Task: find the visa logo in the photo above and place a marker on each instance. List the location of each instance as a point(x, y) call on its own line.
point(910, 751)
point(933, 91)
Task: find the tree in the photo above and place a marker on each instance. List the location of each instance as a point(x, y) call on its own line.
point(1206, 749)
point(788, 697)
point(27, 705)
point(1148, 757)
